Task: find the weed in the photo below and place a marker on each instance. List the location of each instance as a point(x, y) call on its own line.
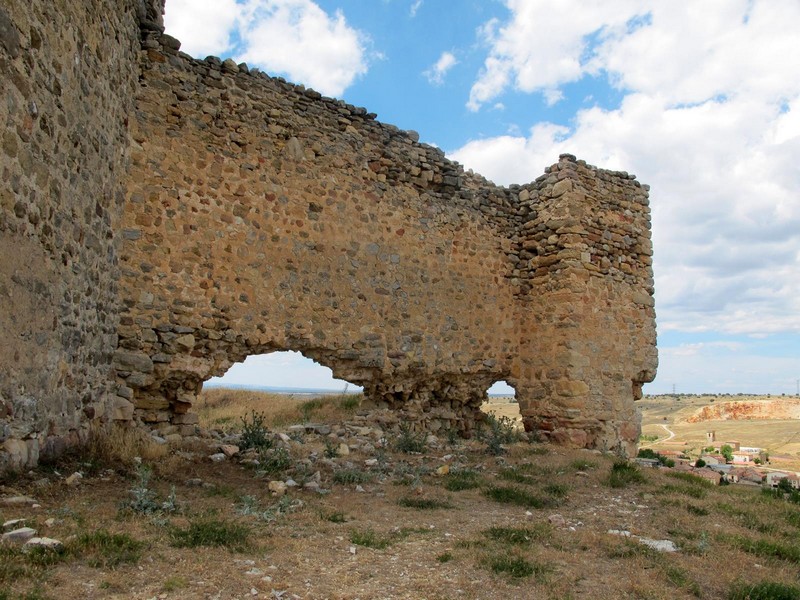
point(331, 449)
point(352, 476)
point(765, 590)
point(623, 474)
point(211, 532)
point(464, 479)
point(255, 433)
point(539, 450)
point(513, 495)
point(444, 557)
point(424, 503)
point(105, 550)
point(145, 501)
point(369, 539)
point(500, 431)
point(248, 506)
point(679, 578)
point(408, 441)
point(690, 478)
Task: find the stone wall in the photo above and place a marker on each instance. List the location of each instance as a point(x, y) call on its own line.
point(262, 216)
point(67, 76)
point(163, 217)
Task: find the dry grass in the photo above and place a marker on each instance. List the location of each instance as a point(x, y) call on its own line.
point(224, 408)
point(393, 541)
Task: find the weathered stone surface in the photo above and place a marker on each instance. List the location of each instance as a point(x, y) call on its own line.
point(181, 215)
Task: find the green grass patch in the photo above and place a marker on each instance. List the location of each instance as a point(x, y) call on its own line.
point(687, 490)
point(104, 550)
point(766, 548)
point(211, 533)
point(623, 474)
point(690, 478)
point(335, 517)
point(520, 497)
point(464, 479)
point(424, 503)
point(764, 590)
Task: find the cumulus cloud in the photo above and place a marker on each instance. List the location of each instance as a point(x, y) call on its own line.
point(292, 37)
point(709, 116)
point(439, 69)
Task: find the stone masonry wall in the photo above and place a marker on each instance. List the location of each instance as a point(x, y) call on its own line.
point(162, 218)
point(67, 76)
point(262, 216)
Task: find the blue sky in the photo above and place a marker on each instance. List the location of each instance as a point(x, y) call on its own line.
point(701, 100)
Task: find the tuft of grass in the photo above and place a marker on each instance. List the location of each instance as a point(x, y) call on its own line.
point(104, 550)
point(173, 584)
point(444, 557)
point(687, 490)
point(520, 497)
point(690, 479)
point(369, 539)
point(582, 464)
point(335, 517)
point(424, 503)
point(408, 441)
point(697, 510)
point(501, 430)
point(274, 461)
point(516, 567)
point(352, 476)
point(764, 590)
point(623, 474)
point(516, 536)
point(556, 490)
point(464, 479)
point(512, 474)
point(212, 533)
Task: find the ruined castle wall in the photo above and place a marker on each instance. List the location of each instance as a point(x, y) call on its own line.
point(261, 216)
point(163, 217)
point(67, 73)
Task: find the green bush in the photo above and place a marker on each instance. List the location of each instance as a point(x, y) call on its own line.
point(424, 503)
point(408, 441)
point(464, 479)
point(520, 497)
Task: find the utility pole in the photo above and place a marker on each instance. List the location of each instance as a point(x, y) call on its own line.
point(673, 389)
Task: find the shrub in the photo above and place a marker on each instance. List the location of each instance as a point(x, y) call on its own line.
point(105, 550)
point(516, 536)
point(351, 476)
point(369, 539)
point(501, 431)
point(275, 461)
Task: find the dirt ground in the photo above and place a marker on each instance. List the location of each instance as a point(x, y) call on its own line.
point(452, 520)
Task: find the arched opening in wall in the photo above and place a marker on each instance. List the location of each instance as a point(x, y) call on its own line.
point(278, 389)
point(502, 401)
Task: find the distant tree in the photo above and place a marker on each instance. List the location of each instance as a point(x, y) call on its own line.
point(708, 449)
point(699, 463)
point(785, 485)
point(757, 461)
point(727, 452)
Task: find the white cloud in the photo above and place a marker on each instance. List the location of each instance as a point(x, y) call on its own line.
point(415, 6)
point(710, 117)
point(437, 72)
point(292, 37)
point(203, 27)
